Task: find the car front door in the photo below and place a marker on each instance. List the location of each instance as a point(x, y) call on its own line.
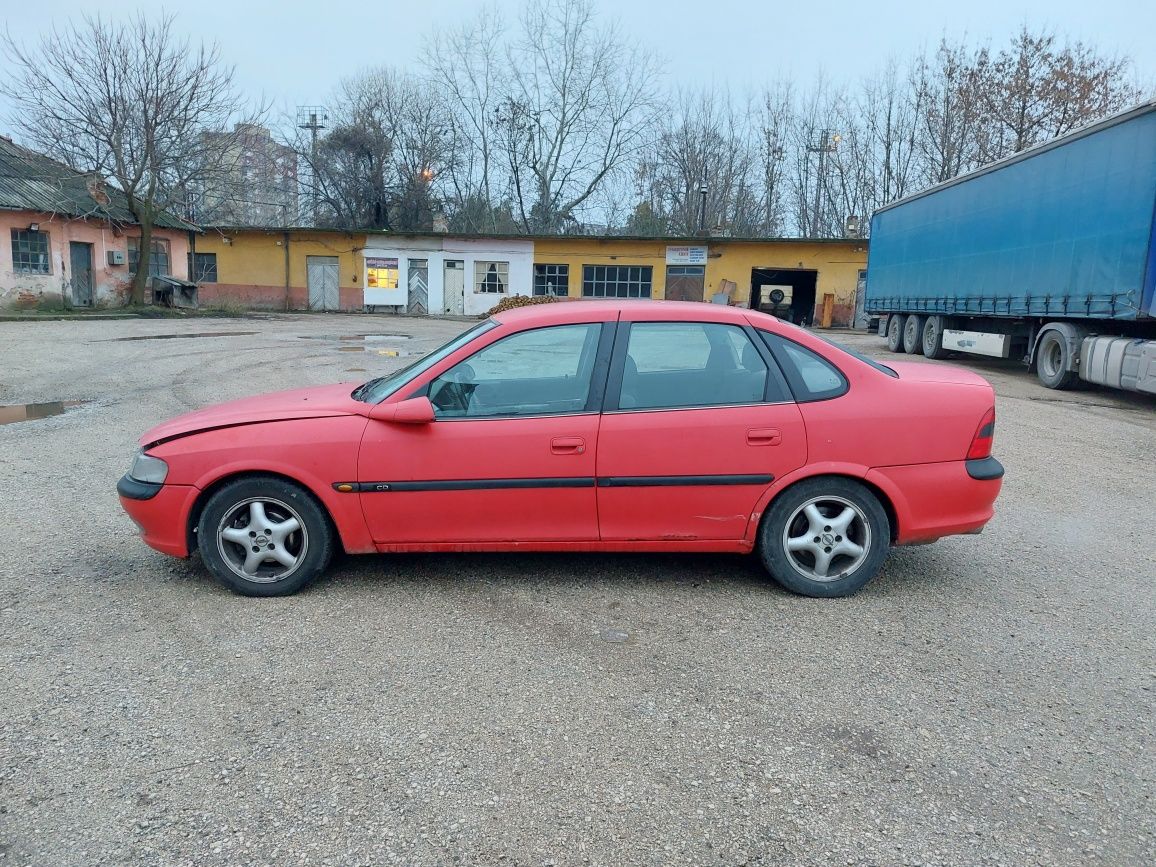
point(698, 423)
point(510, 455)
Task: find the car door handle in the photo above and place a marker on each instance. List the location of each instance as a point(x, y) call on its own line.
point(764, 436)
point(568, 445)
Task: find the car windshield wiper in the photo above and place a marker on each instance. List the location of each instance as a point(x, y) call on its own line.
point(363, 389)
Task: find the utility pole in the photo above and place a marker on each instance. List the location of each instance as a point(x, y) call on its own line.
point(702, 211)
point(313, 118)
point(826, 143)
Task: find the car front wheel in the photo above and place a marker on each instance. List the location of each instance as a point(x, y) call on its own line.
point(825, 537)
point(264, 536)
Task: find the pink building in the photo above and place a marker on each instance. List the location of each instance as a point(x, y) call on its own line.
point(67, 237)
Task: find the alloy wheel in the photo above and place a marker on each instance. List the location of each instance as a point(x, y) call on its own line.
point(262, 540)
point(827, 538)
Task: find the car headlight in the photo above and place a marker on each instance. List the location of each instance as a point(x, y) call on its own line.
point(146, 468)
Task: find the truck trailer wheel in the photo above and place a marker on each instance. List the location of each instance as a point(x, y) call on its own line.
point(913, 334)
point(895, 332)
point(933, 337)
point(1053, 358)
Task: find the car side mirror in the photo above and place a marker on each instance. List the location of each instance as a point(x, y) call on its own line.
point(416, 410)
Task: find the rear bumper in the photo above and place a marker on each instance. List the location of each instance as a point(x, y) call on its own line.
point(985, 469)
point(161, 516)
point(941, 499)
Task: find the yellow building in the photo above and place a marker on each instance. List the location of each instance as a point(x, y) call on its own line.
point(279, 269)
point(818, 279)
point(813, 281)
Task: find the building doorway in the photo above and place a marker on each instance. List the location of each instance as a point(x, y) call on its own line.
point(455, 287)
point(80, 269)
point(417, 287)
point(321, 274)
point(685, 282)
point(788, 293)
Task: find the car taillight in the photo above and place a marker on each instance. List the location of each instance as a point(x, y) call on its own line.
point(984, 436)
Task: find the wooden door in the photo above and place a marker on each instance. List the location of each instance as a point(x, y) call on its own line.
point(685, 282)
point(417, 287)
point(455, 287)
point(321, 273)
point(80, 269)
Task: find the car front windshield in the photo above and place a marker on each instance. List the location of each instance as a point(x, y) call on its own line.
point(377, 390)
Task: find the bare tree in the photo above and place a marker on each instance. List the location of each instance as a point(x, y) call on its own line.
point(465, 63)
point(128, 101)
point(774, 120)
point(382, 164)
point(1036, 89)
point(578, 108)
point(950, 115)
point(704, 145)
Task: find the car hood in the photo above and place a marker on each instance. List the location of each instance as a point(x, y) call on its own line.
point(317, 402)
point(918, 371)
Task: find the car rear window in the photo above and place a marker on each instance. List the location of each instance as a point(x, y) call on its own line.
point(810, 376)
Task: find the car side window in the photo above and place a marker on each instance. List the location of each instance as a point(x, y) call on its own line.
point(810, 376)
point(544, 371)
point(670, 365)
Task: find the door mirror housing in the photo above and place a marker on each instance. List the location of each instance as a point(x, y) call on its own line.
point(416, 410)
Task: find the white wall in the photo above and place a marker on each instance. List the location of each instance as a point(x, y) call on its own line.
point(520, 255)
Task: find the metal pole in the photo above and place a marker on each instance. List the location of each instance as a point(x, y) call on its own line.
point(702, 211)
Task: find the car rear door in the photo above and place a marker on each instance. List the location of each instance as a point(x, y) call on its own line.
point(510, 456)
point(698, 423)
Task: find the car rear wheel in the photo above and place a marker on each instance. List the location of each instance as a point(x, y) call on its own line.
point(264, 536)
point(895, 332)
point(825, 537)
point(933, 337)
point(913, 334)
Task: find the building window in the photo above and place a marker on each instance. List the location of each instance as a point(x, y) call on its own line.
point(492, 277)
point(158, 257)
point(30, 252)
point(204, 268)
point(616, 281)
point(552, 280)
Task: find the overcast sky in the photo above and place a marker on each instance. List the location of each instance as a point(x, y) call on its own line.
point(294, 53)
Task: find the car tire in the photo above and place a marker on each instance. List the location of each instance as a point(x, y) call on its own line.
point(933, 337)
point(913, 334)
point(788, 531)
point(285, 552)
point(895, 324)
point(1053, 357)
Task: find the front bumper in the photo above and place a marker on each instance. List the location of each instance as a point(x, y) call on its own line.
point(134, 489)
point(160, 511)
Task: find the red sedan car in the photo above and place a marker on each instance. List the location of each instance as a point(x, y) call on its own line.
point(592, 426)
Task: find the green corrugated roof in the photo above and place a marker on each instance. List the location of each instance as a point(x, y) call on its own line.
point(30, 181)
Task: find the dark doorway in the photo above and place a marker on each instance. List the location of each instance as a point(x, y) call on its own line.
point(684, 282)
point(788, 293)
point(80, 265)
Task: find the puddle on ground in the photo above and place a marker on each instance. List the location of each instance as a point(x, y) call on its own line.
point(388, 353)
point(193, 334)
point(34, 411)
point(367, 338)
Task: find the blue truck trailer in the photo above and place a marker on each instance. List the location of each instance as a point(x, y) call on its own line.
point(1048, 256)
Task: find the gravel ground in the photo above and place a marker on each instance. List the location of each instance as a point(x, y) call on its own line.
point(988, 700)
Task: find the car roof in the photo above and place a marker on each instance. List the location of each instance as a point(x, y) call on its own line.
point(584, 310)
